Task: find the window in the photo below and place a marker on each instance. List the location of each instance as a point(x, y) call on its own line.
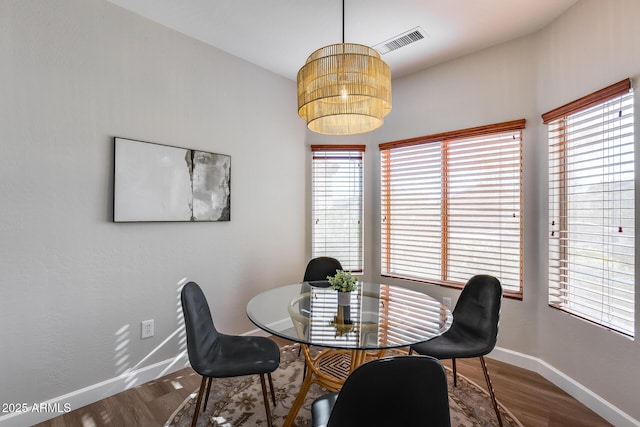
point(451, 206)
point(336, 193)
point(396, 304)
point(591, 208)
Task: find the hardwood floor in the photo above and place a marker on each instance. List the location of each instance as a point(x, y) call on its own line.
point(532, 399)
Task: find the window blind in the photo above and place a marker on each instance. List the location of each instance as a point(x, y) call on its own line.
point(337, 192)
point(396, 306)
point(451, 206)
point(592, 208)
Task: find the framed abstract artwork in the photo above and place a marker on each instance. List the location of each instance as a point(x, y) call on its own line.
point(154, 182)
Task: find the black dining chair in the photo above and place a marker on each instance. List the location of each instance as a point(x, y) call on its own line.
point(474, 330)
point(393, 391)
point(216, 355)
point(316, 274)
point(319, 268)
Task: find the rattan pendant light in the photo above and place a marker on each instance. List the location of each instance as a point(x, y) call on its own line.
point(344, 89)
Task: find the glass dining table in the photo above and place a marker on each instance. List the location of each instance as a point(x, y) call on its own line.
point(344, 334)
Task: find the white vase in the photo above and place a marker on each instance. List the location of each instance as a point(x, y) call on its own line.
point(344, 298)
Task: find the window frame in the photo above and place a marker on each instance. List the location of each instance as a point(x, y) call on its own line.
point(514, 126)
point(354, 261)
point(564, 252)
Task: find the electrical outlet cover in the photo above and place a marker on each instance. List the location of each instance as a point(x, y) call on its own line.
point(146, 329)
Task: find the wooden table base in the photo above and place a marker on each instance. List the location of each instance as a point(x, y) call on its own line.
point(329, 369)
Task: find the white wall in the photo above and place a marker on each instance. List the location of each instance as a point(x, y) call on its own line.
point(594, 44)
point(492, 86)
point(75, 73)
point(75, 285)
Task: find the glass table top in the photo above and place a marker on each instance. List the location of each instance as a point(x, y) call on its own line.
point(378, 316)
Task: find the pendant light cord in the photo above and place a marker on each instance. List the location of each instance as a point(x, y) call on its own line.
point(342, 21)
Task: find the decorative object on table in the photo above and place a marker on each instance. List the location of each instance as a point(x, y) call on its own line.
point(344, 298)
point(342, 321)
point(344, 89)
point(343, 281)
point(154, 182)
point(237, 401)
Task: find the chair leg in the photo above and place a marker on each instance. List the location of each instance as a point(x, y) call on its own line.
point(266, 400)
point(490, 387)
point(198, 401)
point(273, 393)
point(206, 398)
point(455, 372)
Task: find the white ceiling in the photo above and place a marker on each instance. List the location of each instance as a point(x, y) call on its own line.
point(279, 35)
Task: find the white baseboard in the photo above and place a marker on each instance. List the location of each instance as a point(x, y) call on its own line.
point(42, 411)
point(35, 413)
point(579, 392)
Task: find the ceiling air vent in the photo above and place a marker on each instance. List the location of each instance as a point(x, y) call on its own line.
point(401, 40)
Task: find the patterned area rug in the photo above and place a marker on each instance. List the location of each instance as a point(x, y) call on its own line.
point(237, 402)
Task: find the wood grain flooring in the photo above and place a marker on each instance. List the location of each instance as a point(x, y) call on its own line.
point(532, 399)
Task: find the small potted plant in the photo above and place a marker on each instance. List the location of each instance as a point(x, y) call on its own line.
point(343, 282)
